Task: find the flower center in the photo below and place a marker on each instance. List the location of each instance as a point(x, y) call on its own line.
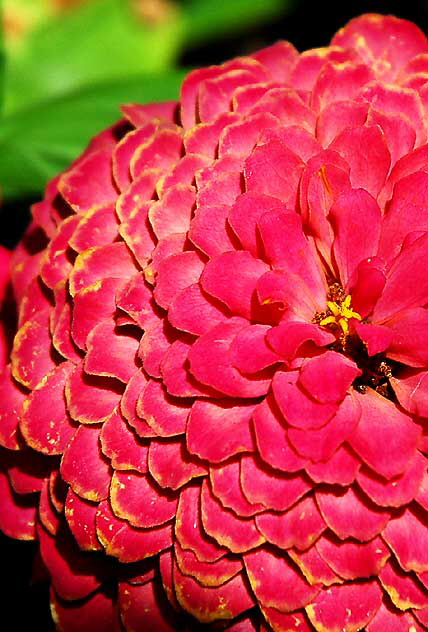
point(376, 370)
point(339, 310)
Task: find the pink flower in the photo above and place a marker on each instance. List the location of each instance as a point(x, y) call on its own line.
point(218, 392)
point(4, 317)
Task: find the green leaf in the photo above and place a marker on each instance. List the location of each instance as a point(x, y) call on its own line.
point(41, 141)
point(205, 19)
point(97, 41)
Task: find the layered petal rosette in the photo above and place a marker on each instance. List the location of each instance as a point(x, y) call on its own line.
point(215, 412)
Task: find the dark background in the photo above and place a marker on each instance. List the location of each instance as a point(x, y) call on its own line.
point(311, 23)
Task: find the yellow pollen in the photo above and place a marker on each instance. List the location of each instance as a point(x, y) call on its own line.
point(340, 313)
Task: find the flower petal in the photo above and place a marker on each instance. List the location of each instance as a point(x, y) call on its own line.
point(349, 515)
point(407, 536)
point(350, 606)
point(134, 497)
point(328, 376)
point(298, 527)
point(83, 465)
point(369, 439)
point(292, 592)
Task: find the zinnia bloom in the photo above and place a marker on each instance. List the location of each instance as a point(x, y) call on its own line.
point(217, 400)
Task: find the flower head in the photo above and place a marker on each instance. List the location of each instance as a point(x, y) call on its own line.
point(216, 404)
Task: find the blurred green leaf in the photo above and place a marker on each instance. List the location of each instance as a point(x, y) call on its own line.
point(100, 40)
point(204, 19)
point(2, 60)
point(40, 141)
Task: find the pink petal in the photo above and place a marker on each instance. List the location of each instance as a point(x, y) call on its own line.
point(231, 277)
point(295, 254)
point(56, 263)
point(320, 444)
point(353, 560)
point(226, 486)
point(328, 376)
point(122, 446)
point(170, 464)
point(74, 574)
point(397, 492)
point(80, 515)
point(194, 312)
point(129, 405)
point(206, 573)
point(97, 228)
point(405, 213)
point(18, 514)
point(88, 184)
point(338, 115)
point(274, 490)
point(177, 378)
point(218, 430)
point(278, 59)
point(407, 536)
point(209, 230)
point(339, 81)
point(292, 592)
point(237, 534)
point(12, 399)
point(340, 469)
point(175, 273)
point(166, 415)
point(262, 174)
point(244, 215)
point(298, 527)
point(369, 439)
point(376, 338)
point(404, 589)
point(45, 423)
point(288, 106)
point(349, 607)
point(110, 353)
point(299, 409)
point(91, 399)
point(290, 339)
point(32, 341)
point(113, 260)
point(134, 497)
point(241, 137)
point(126, 543)
point(189, 530)
point(368, 169)
point(350, 215)
point(141, 605)
point(407, 284)
point(92, 305)
point(218, 371)
point(134, 298)
point(84, 467)
point(99, 607)
point(380, 33)
point(207, 604)
point(351, 515)
point(249, 350)
point(392, 620)
point(271, 436)
point(161, 151)
point(409, 337)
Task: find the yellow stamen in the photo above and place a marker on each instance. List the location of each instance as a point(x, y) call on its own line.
point(340, 313)
point(322, 172)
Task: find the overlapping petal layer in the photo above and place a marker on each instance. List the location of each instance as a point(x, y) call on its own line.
point(215, 411)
